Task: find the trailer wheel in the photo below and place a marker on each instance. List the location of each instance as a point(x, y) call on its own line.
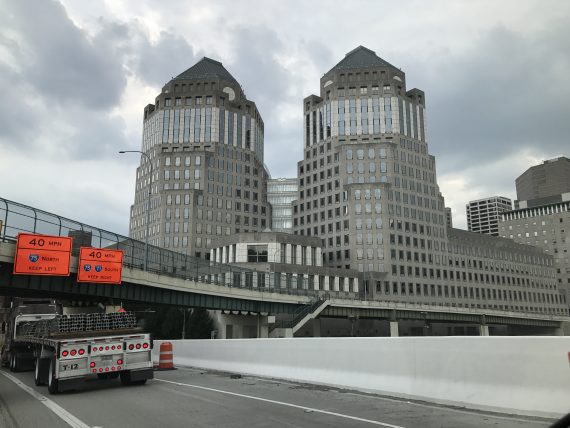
point(53, 387)
point(14, 363)
point(126, 377)
point(42, 371)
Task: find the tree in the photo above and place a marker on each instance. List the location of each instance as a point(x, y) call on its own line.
point(166, 323)
point(199, 325)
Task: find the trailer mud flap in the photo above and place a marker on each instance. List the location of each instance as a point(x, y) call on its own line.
point(70, 384)
point(141, 374)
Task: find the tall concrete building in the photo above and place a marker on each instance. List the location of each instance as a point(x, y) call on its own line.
point(365, 163)
point(483, 215)
point(204, 139)
point(545, 183)
point(542, 215)
point(281, 192)
point(448, 217)
point(546, 227)
point(368, 188)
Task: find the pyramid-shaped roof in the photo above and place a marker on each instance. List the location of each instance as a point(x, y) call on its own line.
point(361, 57)
point(206, 68)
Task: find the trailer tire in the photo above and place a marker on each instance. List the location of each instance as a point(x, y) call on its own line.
point(42, 371)
point(126, 377)
point(53, 387)
point(14, 362)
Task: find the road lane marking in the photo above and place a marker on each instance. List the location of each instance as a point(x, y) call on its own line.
point(472, 412)
point(63, 414)
point(306, 409)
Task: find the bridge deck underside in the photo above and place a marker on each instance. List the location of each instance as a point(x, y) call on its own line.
point(69, 288)
point(431, 316)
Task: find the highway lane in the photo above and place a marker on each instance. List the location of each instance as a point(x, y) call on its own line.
point(189, 397)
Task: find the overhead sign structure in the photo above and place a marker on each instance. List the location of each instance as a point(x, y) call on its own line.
point(100, 265)
point(42, 255)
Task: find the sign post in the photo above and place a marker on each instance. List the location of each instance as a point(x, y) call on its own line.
point(42, 255)
point(100, 265)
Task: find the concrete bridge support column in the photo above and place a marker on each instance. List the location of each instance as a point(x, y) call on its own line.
point(262, 327)
point(238, 325)
point(483, 327)
point(317, 327)
point(394, 329)
point(393, 325)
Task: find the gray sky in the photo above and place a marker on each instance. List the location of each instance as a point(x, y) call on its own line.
point(75, 76)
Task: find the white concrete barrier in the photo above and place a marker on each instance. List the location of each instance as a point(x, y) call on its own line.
point(523, 375)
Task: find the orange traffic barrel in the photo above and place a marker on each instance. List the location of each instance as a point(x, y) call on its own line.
point(165, 361)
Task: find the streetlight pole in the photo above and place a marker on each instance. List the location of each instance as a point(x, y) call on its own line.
point(148, 207)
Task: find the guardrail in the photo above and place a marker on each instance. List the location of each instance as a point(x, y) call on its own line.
point(18, 218)
point(522, 375)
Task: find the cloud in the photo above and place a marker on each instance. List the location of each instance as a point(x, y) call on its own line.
point(60, 60)
point(156, 62)
point(75, 82)
point(506, 94)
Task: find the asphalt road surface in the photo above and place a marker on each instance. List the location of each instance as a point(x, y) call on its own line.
point(197, 398)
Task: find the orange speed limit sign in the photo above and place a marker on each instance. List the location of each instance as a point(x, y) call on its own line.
point(100, 265)
point(42, 255)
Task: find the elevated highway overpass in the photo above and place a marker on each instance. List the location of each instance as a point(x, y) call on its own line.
point(174, 278)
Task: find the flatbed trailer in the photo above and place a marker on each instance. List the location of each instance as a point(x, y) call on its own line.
point(65, 351)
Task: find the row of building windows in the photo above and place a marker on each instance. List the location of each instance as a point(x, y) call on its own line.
point(203, 125)
point(467, 292)
point(418, 271)
point(364, 116)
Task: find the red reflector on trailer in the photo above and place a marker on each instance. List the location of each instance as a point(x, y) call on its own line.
point(131, 347)
point(73, 352)
point(64, 354)
point(81, 351)
point(138, 346)
point(92, 364)
point(113, 369)
point(118, 346)
point(106, 348)
point(119, 368)
point(100, 369)
point(145, 345)
point(94, 370)
point(106, 369)
point(119, 362)
point(113, 347)
point(94, 349)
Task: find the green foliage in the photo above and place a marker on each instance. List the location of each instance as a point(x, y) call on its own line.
point(199, 325)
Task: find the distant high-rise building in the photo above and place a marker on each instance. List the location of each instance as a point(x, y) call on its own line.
point(368, 188)
point(483, 215)
point(205, 141)
point(543, 184)
point(546, 227)
point(542, 215)
point(448, 217)
point(281, 192)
